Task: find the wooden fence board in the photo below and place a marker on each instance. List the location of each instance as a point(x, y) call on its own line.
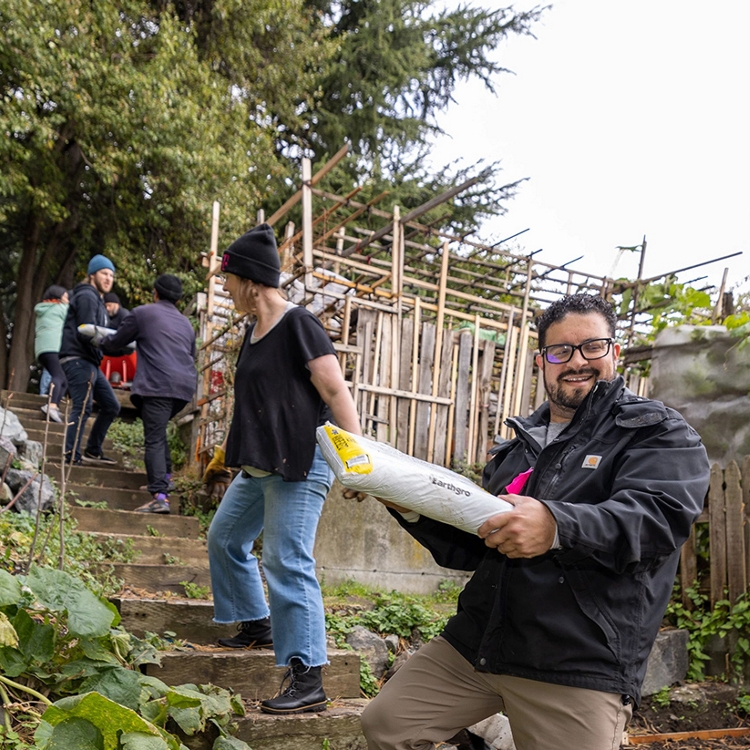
point(461, 414)
point(383, 426)
point(424, 385)
point(404, 383)
point(746, 509)
point(736, 576)
point(485, 382)
point(444, 390)
point(717, 534)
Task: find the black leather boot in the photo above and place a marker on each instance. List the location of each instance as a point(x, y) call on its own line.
point(303, 693)
point(251, 634)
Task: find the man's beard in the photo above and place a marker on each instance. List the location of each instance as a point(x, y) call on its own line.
point(571, 398)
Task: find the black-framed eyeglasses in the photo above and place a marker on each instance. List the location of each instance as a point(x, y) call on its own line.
point(559, 354)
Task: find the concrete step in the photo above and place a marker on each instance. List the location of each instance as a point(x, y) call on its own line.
point(252, 673)
point(140, 524)
point(160, 578)
point(158, 550)
point(95, 476)
point(116, 499)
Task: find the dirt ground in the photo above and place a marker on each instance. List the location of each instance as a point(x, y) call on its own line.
point(692, 708)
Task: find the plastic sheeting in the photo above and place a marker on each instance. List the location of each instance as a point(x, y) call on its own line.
point(378, 469)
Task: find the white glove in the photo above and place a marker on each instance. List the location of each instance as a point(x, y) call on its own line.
point(96, 333)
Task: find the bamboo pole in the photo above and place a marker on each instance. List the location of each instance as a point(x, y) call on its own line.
point(452, 408)
point(503, 369)
point(307, 224)
point(438, 345)
point(376, 359)
point(319, 175)
point(473, 397)
point(524, 342)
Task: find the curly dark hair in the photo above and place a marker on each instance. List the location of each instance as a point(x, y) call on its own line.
point(581, 304)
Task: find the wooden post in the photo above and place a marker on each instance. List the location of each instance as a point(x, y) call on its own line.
point(746, 508)
point(442, 286)
point(717, 541)
point(523, 343)
point(499, 411)
point(307, 223)
point(474, 392)
point(414, 371)
point(734, 515)
point(213, 261)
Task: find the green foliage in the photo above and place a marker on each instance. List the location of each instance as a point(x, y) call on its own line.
point(82, 551)
point(730, 623)
point(127, 438)
point(196, 591)
point(58, 638)
point(663, 697)
point(392, 612)
point(367, 682)
point(743, 702)
point(668, 303)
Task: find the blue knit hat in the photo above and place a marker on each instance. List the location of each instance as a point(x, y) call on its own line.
point(98, 263)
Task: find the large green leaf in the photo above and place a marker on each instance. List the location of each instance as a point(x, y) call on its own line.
point(76, 733)
point(59, 591)
point(230, 743)
point(12, 662)
point(36, 639)
point(109, 717)
point(118, 684)
point(10, 589)
point(140, 741)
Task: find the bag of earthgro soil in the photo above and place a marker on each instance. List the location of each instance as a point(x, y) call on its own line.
point(378, 469)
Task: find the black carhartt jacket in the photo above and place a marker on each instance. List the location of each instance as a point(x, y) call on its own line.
point(86, 306)
point(625, 481)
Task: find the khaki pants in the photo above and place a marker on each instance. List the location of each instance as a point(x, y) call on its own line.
point(437, 693)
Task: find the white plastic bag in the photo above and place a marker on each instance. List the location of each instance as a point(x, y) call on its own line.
point(378, 469)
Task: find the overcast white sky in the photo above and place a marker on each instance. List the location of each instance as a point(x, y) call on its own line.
point(630, 118)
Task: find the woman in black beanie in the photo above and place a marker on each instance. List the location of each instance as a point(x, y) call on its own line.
point(288, 382)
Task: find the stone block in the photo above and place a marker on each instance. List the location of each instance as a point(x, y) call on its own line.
point(668, 661)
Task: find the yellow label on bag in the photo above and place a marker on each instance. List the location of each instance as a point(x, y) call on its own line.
point(353, 456)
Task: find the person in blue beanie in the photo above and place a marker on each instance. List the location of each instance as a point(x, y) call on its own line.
point(80, 360)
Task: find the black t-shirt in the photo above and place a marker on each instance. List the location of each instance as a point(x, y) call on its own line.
point(276, 406)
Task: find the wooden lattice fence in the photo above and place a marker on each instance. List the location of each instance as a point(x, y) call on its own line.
point(728, 518)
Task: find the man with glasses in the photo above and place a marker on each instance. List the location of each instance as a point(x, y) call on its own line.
point(556, 624)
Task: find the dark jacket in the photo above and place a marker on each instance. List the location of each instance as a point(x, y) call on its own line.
point(165, 343)
point(86, 306)
point(625, 481)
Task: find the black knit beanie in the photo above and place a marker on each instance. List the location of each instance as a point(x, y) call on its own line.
point(169, 287)
point(254, 256)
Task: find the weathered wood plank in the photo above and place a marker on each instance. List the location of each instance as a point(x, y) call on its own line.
point(404, 383)
point(746, 509)
point(424, 385)
point(461, 415)
point(484, 439)
point(128, 522)
point(735, 545)
point(716, 534)
point(159, 577)
point(444, 391)
point(253, 673)
point(190, 619)
point(155, 550)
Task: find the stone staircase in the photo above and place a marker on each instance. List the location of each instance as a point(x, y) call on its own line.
point(170, 553)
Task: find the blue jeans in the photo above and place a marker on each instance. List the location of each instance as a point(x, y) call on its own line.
point(287, 513)
point(80, 373)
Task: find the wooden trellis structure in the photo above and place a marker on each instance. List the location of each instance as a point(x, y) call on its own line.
point(435, 360)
